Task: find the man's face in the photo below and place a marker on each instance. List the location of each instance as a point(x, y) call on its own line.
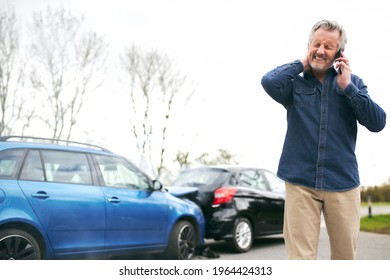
point(322, 50)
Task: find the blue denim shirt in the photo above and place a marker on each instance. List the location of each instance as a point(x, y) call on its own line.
point(319, 148)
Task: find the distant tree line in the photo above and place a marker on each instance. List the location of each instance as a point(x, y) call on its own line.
point(377, 193)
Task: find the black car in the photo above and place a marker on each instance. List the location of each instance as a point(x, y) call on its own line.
point(238, 203)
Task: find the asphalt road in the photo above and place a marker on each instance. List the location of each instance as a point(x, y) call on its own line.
point(371, 246)
point(375, 210)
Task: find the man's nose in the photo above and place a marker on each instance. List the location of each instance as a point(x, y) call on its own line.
point(321, 50)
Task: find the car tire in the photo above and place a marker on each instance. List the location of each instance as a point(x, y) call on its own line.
point(242, 236)
point(182, 242)
point(17, 244)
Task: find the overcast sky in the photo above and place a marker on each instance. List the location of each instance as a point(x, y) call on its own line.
point(224, 47)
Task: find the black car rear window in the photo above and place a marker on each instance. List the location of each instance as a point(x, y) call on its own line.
point(201, 177)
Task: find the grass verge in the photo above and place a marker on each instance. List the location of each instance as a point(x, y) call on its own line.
point(377, 224)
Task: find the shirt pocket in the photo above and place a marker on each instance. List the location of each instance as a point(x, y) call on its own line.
point(304, 96)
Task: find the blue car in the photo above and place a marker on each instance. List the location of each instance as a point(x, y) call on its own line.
point(71, 201)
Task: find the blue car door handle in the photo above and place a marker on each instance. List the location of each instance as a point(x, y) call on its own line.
point(41, 195)
point(114, 199)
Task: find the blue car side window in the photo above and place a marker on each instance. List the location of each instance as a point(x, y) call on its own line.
point(32, 169)
point(119, 173)
point(10, 161)
point(67, 167)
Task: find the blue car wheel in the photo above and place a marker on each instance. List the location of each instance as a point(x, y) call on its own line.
point(17, 244)
point(183, 241)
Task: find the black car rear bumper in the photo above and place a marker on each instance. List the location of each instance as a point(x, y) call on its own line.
point(219, 224)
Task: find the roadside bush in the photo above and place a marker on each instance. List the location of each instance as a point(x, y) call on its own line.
point(377, 193)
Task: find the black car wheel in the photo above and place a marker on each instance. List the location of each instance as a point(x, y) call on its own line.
point(242, 235)
point(18, 245)
point(182, 242)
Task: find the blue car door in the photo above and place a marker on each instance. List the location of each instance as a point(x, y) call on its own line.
point(136, 215)
point(69, 207)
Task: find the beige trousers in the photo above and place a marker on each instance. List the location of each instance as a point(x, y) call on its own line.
point(302, 222)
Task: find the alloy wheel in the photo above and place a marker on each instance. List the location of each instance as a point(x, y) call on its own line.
point(17, 247)
point(187, 241)
point(243, 234)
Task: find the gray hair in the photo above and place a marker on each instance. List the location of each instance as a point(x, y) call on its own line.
point(330, 26)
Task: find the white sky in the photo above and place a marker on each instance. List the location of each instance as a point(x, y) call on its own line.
point(225, 47)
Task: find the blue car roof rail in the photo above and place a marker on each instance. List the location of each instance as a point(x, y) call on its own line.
point(52, 141)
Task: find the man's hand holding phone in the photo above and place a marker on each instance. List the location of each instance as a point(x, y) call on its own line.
point(343, 69)
point(338, 54)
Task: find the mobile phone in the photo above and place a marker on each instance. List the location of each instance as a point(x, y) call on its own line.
point(338, 54)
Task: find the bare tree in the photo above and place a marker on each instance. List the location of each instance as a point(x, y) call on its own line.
point(182, 158)
point(68, 62)
point(222, 157)
point(15, 112)
point(156, 86)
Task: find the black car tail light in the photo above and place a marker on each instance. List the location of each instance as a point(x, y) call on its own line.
point(224, 195)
